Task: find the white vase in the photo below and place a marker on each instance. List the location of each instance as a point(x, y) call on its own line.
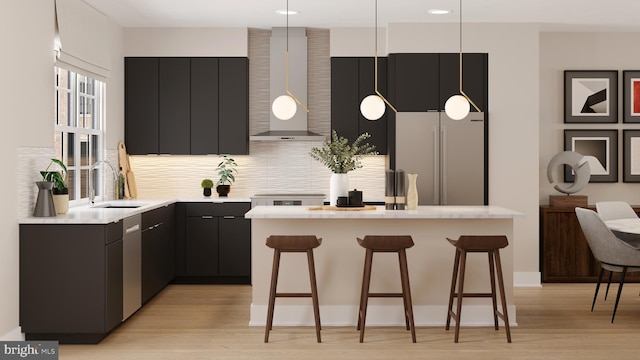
point(338, 186)
point(412, 192)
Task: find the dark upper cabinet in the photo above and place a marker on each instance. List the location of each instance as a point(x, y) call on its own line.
point(174, 106)
point(183, 106)
point(353, 79)
point(204, 106)
point(141, 105)
point(414, 81)
point(474, 77)
point(233, 115)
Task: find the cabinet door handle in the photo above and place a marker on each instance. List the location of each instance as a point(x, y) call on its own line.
point(207, 216)
point(229, 217)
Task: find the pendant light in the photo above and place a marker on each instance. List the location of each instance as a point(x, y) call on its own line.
point(284, 106)
point(457, 107)
point(373, 106)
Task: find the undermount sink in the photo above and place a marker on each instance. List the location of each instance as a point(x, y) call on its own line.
point(119, 206)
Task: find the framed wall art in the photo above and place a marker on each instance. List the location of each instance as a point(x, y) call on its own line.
point(631, 96)
point(591, 96)
point(600, 149)
point(631, 156)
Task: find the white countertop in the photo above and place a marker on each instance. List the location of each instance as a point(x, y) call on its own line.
point(98, 214)
point(423, 212)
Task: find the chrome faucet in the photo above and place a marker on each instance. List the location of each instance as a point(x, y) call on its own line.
point(92, 191)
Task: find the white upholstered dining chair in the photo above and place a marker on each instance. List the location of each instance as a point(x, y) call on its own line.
point(613, 210)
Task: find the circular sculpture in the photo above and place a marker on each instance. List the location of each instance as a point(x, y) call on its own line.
point(580, 168)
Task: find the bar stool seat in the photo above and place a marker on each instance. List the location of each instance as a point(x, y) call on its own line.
point(376, 243)
point(292, 243)
point(490, 244)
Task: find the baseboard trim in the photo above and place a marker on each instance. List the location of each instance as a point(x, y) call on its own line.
point(527, 279)
point(377, 315)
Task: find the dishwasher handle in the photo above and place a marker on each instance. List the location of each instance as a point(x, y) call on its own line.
point(132, 228)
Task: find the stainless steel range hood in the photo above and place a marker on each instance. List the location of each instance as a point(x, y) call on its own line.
point(296, 127)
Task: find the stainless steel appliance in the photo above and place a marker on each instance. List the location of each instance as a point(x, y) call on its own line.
point(287, 199)
point(448, 156)
point(131, 265)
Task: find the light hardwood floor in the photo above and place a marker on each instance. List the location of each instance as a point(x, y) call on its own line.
point(210, 322)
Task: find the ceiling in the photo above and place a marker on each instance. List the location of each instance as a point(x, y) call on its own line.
point(553, 15)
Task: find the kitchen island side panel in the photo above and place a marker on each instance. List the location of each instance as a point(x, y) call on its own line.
point(339, 261)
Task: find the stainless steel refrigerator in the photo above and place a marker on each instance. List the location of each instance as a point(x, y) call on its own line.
point(448, 155)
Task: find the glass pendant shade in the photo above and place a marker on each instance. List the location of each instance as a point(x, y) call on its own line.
point(372, 107)
point(284, 107)
point(457, 107)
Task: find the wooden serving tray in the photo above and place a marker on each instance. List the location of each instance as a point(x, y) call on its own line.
point(335, 208)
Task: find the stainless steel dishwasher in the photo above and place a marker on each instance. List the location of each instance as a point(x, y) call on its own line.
point(131, 265)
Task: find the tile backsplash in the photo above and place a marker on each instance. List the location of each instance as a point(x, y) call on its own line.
point(277, 167)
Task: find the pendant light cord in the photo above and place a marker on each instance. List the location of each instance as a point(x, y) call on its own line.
point(460, 61)
point(375, 65)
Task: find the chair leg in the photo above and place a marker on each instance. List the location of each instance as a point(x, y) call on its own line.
point(615, 307)
point(406, 292)
point(272, 294)
point(503, 297)
point(608, 284)
point(454, 278)
point(492, 275)
point(463, 260)
point(595, 295)
point(314, 292)
point(368, 261)
point(404, 297)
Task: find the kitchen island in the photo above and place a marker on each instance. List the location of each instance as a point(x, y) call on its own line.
point(339, 262)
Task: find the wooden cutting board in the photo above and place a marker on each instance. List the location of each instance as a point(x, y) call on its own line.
point(335, 208)
point(130, 189)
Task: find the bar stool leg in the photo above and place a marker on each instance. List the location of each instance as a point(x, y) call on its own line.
point(406, 293)
point(492, 275)
point(314, 292)
point(368, 261)
point(272, 294)
point(454, 278)
point(463, 261)
point(503, 297)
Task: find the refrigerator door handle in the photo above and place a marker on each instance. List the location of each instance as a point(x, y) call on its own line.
point(436, 174)
point(443, 166)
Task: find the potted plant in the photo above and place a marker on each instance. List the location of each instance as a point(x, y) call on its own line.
point(207, 184)
point(225, 169)
point(341, 157)
point(60, 188)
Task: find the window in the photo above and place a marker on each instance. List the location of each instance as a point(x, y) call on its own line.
point(79, 128)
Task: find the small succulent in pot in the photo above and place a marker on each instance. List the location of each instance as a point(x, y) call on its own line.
point(207, 184)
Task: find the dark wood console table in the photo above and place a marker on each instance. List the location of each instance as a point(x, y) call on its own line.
point(564, 253)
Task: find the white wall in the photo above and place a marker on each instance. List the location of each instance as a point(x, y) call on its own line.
point(582, 51)
point(186, 42)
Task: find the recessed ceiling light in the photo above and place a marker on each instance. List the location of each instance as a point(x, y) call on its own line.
point(284, 12)
point(438, 11)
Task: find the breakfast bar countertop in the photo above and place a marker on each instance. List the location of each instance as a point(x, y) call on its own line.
point(423, 212)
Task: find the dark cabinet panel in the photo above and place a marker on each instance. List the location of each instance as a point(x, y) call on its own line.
point(564, 252)
point(174, 106)
point(204, 106)
point(213, 243)
point(158, 254)
point(187, 106)
point(202, 246)
point(414, 81)
point(474, 77)
point(141, 105)
point(79, 269)
point(353, 79)
point(233, 113)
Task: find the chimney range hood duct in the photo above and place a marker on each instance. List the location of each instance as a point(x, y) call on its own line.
point(296, 127)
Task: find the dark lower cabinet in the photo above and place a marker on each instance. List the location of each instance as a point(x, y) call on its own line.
point(158, 254)
point(70, 281)
point(213, 243)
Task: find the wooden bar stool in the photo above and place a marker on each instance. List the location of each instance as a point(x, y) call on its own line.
point(292, 244)
point(375, 244)
point(477, 244)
